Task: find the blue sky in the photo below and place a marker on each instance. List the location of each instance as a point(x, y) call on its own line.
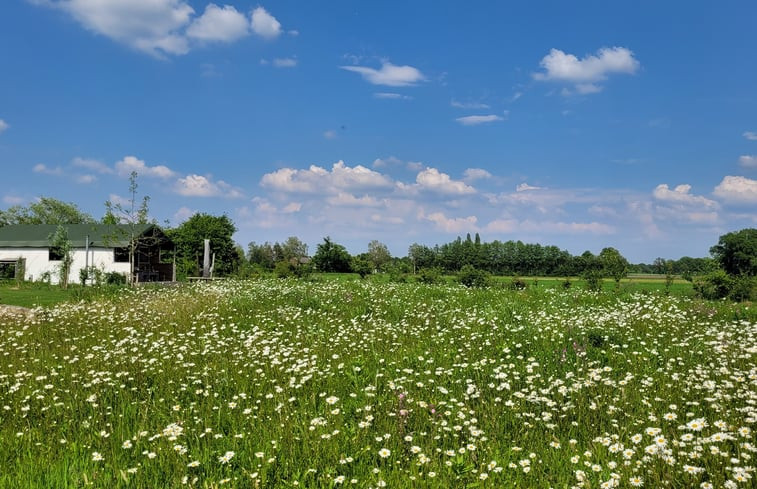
point(576, 124)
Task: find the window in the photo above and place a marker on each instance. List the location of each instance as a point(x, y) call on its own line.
point(121, 255)
point(54, 254)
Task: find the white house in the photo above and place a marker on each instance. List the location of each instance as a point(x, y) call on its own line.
point(27, 250)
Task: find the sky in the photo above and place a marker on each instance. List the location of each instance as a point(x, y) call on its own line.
point(576, 124)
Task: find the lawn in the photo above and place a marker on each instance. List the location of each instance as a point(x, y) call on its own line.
point(33, 294)
point(282, 383)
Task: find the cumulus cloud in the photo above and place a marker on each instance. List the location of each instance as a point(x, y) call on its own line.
point(389, 74)
point(451, 225)
point(151, 26)
point(474, 120)
point(681, 195)
point(264, 24)
point(129, 164)
point(584, 73)
point(201, 186)
point(473, 174)
point(165, 27)
point(737, 190)
point(319, 180)
point(3, 125)
point(223, 24)
point(182, 214)
point(748, 161)
point(433, 180)
point(750, 135)
point(90, 164)
point(349, 200)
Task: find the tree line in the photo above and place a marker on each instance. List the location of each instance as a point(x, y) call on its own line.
point(729, 271)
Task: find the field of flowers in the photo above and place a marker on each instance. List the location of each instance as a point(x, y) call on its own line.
point(275, 383)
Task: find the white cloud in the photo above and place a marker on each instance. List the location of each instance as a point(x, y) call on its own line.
point(85, 179)
point(201, 186)
point(291, 208)
point(389, 74)
point(347, 199)
point(523, 187)
point(737, 190)
point(451, 225)
point(319, 180)
point(474, 120)
point(468, 105)
point(681, 195)
point(548, 227)
point(182, 214)
point(748, 161)
point(391, 161)
point(3, 125)
point(129, 164)
point(433, 180)
point(391, 96)
point(473, 174)
point(330, 134)
point(45, 170)
point(223, 24)
point(151, 26)
point(264, 24)
point(12, 200)
point(91, 164)
point(285, 62)
point(750, 135)
point(585, 72)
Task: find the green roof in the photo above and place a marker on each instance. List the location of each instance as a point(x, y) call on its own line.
point(100, 235)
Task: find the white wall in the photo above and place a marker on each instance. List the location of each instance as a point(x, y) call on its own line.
point(37, 262)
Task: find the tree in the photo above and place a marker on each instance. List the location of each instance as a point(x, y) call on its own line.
point(189, 240)
point(378, 254)
point(293, 250)
point(613, 264)
point(131, 215)
point(331, 257)
point(421, 256)
point(736, 252)
point(60, 248)
point(46, 210)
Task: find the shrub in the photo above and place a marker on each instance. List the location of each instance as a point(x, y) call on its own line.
point(744, 288)
point(473, 277)
point(115, 278)
point(430, 276)
point(593, 280)
point(715, 285)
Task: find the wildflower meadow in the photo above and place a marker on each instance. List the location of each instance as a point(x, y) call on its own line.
point(286, 383)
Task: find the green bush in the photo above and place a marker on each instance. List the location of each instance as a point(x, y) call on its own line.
point(593, 280)
point(517, 283)
point(744, 288)
point(473, 277)
point(430, 276)
point(713, 286)
point(115, 278)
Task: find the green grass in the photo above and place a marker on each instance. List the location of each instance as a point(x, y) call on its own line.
point(283, 383)
point(33, 294)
